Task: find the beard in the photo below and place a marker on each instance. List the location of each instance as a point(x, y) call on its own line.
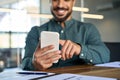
point(63, 18)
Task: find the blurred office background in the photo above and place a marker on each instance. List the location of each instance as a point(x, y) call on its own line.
point(18, 16)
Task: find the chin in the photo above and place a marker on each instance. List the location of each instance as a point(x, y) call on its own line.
point(60, 19)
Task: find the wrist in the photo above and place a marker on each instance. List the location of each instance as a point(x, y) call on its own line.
point(78, 49)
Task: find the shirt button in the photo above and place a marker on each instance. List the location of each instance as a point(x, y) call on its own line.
point(58, 22)
point(82, 54)
point(62, 31)
point(91, 60)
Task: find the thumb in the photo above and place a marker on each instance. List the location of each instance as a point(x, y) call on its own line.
point(62, 42)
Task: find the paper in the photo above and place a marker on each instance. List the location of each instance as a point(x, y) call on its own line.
point(11, 74)
point(111, 64)
point(75, 77)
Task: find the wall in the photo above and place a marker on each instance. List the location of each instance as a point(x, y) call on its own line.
point(109, 27)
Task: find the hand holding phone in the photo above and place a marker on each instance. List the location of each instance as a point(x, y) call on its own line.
point(50, 38)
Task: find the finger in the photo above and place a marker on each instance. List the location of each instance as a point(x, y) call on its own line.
point(72, 52)
point(61, 42)
point(39, 52)
point(47, 48)
point(50, 55)
point(68, 51)
point(53, 59)
point(64, 49)
point(46, 59)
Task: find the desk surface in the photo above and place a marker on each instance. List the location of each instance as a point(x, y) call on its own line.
point(89, 70)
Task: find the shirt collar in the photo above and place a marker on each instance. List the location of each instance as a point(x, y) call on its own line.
point(67, 23)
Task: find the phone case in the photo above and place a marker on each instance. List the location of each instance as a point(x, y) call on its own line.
point(50, 38)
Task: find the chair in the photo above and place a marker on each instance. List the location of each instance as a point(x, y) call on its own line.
point(114, 48)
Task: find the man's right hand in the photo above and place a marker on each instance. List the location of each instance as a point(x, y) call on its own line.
point(43, 60)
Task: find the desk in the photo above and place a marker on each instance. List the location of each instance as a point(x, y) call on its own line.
point(89, 70)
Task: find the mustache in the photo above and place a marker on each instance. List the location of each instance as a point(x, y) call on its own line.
point(60, 8)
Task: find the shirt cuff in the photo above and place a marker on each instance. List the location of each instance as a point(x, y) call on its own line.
point(85, 55)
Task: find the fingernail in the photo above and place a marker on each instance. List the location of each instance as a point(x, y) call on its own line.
point(58, 51)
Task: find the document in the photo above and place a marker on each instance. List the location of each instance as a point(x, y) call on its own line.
point(110, 64)
point(68, 76)
point(18, 74)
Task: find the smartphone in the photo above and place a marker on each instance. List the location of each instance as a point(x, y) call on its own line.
point(50, 38)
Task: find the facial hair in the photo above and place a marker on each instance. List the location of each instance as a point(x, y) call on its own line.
point(61, 19)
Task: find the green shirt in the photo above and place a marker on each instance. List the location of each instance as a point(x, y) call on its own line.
point(86, 35)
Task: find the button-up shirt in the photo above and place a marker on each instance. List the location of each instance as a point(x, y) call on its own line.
point(93, 50)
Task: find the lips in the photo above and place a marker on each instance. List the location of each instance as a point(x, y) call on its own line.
point(61, 12)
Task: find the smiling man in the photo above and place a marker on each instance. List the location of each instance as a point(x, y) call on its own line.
point(80, 43)
point(62, 10)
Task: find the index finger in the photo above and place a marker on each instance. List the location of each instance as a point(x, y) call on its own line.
point(47, 48)
point(62, 42)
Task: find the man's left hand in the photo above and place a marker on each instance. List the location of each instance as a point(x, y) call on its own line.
point(69, 49)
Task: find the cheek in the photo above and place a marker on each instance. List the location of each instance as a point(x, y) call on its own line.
point(54, 4)
point(53, 7)
point(70, 6)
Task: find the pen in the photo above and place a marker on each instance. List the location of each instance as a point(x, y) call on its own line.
point(33, 73)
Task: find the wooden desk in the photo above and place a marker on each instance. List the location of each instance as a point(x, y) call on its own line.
point(89, 70)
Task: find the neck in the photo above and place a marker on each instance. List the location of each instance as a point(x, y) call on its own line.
point(62, 23)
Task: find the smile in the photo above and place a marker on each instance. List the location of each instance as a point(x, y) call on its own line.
point(60, 12)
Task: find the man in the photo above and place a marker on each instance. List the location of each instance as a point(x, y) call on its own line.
point(79, 42)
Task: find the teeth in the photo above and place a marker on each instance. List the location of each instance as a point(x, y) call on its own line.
point(60, 11)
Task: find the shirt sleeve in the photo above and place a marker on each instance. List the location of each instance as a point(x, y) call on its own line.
point(94, 50)
point(32, 41)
